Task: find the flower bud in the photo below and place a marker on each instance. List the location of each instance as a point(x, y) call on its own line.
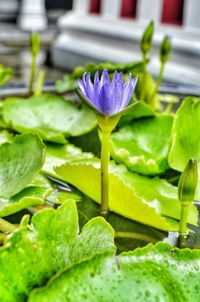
point(146, 41)
point(188, 181)
point(34, 43)
point(165, 49)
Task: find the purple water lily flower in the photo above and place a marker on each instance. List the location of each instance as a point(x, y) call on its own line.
point(106, 97)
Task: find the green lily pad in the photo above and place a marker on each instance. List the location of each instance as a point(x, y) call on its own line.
point(146, 200)
point(143, 110)
point(153, 273)
point(52, 242)
point(28, 197)
point(143, 145)
point(57, 155)
point(58, 197)
point(52, 117)
point(21, 160)
point(185, 142)
point(34, 194)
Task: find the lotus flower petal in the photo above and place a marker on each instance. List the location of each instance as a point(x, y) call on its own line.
point(108, 97)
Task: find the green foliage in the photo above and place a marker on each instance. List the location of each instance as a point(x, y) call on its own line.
point(165, 50)
point(143, 145)
point(35, 252)
point(18, 166)
point(149, 201)
point(188, 182)
point(52, 117)
point(57, 155)
point(30, 196)
point(185, 142)
point(50, 259)
point(68, 83)
point(153, 273)
point(34, 43)
point(148, 90)
point(143, 110)
point(146, 41)
point(129, 234)
point(20, 187)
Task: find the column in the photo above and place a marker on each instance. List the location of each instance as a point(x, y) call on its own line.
point(111, 8)
point(81, 7)
point(32, 15)
point(191, 13)
point(149, 10)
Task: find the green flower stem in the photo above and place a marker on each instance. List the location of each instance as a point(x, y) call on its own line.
point(6, 226)
point(137, 236)
point(32, 76)
point(40, 82)
point(142, 93)
point(105, 156)
point(159, 79)
point(107, 124)
point(185, 206)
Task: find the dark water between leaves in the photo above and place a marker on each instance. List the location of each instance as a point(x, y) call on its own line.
point(129, 234)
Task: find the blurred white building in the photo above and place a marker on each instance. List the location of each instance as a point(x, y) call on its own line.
point(109, 30)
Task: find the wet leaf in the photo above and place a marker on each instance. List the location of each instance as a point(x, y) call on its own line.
point(185, 142)
point(52, 117)
point(143, 110)
point(152, 273)
point(151, 201)
point(143, 145)
point(58, 197)
point(21, 160)
point(52, 242)
point(34, 194)
point(57, 155)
